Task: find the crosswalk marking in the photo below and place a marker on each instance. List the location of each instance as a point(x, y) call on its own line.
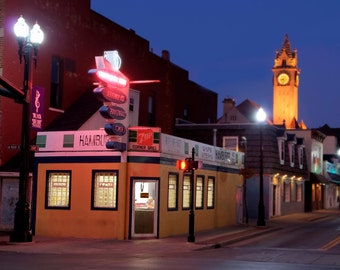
point(331, 244)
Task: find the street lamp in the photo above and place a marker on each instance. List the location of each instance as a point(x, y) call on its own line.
point(244, 145)
point(261, 117)
point(26, 40)
point(190, 165)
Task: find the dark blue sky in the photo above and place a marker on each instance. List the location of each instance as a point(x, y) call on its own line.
point(229, 46)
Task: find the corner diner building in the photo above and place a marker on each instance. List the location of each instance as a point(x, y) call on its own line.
point(83, 189)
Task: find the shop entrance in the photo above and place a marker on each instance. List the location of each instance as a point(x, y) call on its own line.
point(144, 214)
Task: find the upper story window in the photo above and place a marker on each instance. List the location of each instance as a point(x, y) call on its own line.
point(131, 104)
point(291, 153)
point(230, 143)
point(151, 111)
point(56, 83)
point(186, 113)
point(316, 155)
point(300, 156)
point(281, 145)
point(233, 117)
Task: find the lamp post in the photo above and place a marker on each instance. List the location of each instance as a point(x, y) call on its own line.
point(244, 144)
point(27, 41)
point(261, 116)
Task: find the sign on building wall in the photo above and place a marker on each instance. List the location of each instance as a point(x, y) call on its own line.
point(113, 90)
point(37, 108)
point(144, 139)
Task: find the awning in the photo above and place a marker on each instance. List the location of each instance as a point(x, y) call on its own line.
point(335, 178)
point(318, 178)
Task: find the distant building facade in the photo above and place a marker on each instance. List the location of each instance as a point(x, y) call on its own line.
point(284, 160)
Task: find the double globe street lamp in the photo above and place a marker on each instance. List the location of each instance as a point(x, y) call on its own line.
point(261, 117)
point(27, 40)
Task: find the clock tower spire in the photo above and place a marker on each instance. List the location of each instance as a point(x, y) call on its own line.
point(285, 86)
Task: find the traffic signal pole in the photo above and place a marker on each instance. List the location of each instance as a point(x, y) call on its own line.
point(191, 236)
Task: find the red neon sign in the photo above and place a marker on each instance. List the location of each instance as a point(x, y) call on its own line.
point(112, 77)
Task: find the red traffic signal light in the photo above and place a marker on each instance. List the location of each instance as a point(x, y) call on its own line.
point(188, 164)
point(184, 165)
point(181, 165)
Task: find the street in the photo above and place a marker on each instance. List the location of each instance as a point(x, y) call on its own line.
point(297, 244)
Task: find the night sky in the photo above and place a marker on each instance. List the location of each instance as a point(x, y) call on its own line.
point(229, 46)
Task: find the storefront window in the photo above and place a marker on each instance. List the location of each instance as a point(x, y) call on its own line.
point(199, 192)
point(172, 191)
point(211, 193)
point(104, 190)
point(186, 192)
point(58, 189)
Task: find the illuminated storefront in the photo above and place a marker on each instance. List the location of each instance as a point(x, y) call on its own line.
point(84, 189)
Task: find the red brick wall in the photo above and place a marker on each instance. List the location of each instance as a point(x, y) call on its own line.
point(73, 31)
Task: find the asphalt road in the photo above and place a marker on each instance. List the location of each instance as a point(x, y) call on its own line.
point(297, 244)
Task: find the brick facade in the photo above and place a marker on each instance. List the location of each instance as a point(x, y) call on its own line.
point(74, 34)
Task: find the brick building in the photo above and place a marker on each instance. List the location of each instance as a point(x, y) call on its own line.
point(74, 35)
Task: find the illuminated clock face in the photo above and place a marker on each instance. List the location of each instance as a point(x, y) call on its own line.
point(283, 79)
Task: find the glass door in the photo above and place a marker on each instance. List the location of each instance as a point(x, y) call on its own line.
point(144, 208)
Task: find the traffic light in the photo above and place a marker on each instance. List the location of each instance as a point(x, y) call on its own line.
point(188, 164)
point(184, 165)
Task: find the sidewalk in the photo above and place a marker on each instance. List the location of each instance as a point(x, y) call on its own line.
point(203, 240)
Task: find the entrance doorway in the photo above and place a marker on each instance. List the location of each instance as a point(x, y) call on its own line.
point(9, 191)
point(239, 204)
point(144, 214)
point(274, 200)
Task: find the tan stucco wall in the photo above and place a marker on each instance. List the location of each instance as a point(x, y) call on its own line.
point(80, 220)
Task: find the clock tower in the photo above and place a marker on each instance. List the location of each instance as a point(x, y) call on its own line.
point(285, 86)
